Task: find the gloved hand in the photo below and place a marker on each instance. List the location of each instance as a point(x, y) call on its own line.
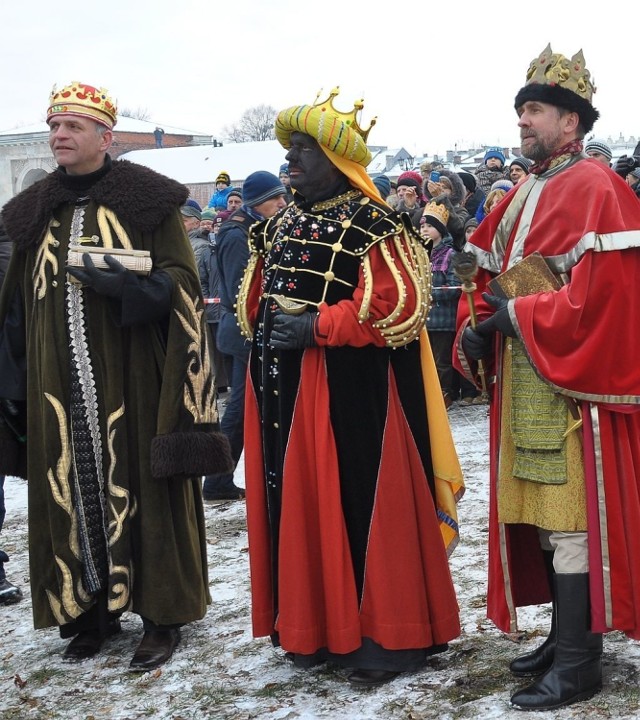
point(475, 345)
point(105, 282)
point(445, 200)
point(500, 320)
point(625, 164)
point(292, 332)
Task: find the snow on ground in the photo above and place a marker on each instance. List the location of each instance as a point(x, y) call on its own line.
point(221, 672)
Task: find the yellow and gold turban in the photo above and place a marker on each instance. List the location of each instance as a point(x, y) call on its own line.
point(338, 134)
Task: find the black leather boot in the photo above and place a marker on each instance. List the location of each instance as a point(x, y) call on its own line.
point(540, 660)
point(576, 672)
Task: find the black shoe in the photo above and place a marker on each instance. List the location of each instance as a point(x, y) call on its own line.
point(88, 642)
point(155, 649)
point(235, 493)
point(9, 593)
point(371, 678)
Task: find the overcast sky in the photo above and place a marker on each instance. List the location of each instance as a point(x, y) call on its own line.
point(435, 74)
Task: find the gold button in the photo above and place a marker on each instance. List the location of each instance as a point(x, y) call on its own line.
point(269, 245)
point(55, 243)
point(275, 392)
point(54, 283)
point(346, 224)
point(292, 269)
point(336, 247)
point(365, 200)
point(329, 276)
point(275, 425)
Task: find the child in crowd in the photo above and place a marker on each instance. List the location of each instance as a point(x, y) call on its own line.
point(445, 292)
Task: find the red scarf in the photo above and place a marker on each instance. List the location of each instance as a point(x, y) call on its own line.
point(560, 155)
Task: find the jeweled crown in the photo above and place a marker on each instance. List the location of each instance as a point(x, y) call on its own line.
point(551, 68)
point(350, 118)
point(80, 99)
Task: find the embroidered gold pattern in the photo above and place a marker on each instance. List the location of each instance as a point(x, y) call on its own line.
point(199, 387)
point(44, 256)
point(116, 523)
point(59, 482)
point(109, 225)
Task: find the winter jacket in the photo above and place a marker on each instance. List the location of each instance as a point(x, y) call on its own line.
point(444, 305)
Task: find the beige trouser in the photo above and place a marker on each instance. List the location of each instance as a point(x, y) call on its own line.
point(570, 551)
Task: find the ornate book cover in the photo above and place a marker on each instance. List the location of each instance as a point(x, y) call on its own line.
point(528, 277)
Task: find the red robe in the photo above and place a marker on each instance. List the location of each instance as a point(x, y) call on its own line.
point(581, 340)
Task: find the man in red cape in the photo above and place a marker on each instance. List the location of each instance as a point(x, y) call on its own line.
point(565, 420)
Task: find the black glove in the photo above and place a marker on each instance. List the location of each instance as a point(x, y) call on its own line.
point(500, 320)
point(105, 282)
point(476, 346)
point(625, 164)
point(292, 332)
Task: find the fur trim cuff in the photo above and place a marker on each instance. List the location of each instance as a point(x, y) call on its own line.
point(190, 454)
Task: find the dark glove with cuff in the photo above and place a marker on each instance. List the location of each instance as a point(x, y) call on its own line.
point(105, 282)
point(475, 345)
point(500, 321)
point(293, 332)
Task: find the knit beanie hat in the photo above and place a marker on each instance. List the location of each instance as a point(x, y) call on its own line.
point(223, 177)
point(437, 215)
point(599, 147)
point(221, 217)
point(471, 223)
point(635, 173)
point(412, 175)
point(208, 214)
point(503, 184)
point(522, 162)
point(284, 169)
point(383, 184)
point(494, 152)
point(237, 192)
point(468, 180)
point(261, 186)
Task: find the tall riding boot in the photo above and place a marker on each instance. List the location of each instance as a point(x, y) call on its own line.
point(576, 672)
point(540, 660)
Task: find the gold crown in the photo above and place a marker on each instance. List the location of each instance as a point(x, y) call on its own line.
point(554, 69)
point(437, 211)
point(349, 119)
point(337, 131)
point(86, 100)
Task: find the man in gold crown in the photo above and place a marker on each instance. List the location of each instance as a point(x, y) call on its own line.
point(109, 372)
point(565, 416)
point(352, 477)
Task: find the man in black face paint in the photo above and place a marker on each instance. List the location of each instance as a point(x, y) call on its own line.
point(352, 477)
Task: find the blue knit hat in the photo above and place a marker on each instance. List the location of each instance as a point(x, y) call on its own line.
point(261, 186)
point(494, 152)
point(383, 184)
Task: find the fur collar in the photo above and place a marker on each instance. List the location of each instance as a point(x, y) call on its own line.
point(139, 197)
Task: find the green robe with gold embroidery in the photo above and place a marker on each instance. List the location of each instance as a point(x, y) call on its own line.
point(145, 389)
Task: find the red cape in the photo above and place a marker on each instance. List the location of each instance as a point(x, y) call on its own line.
point(581, 340)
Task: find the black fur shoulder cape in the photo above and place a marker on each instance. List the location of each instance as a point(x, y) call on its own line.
point(139, 196)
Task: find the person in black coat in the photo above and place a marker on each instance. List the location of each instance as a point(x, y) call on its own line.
point(263, 195)
point(9, 593)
